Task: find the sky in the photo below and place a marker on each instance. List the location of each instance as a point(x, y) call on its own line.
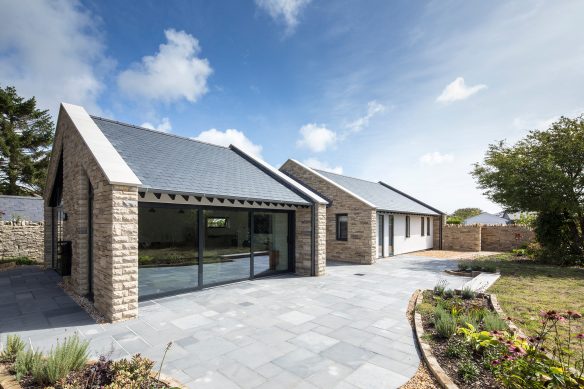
point(409, 93)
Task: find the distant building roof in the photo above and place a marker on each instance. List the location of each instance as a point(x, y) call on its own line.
point(486, 218)
point(382, 196)
point(25, 207)
point(171, 163)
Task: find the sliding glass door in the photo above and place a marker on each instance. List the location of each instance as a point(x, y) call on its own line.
point(186, 248)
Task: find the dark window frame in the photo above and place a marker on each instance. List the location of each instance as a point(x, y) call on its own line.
point(422, 227)
point(428, 226)
point(407, 226)
point(337, 223)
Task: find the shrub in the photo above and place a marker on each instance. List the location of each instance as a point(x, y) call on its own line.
point(489, 268)
point(457, 349)
point(475, 267)
point(27, 362)
point(463, 266)
point(131, 373)
point(440, 287)
point(69, 356)
point(23, 260)
point(14, 345)
point(445, 326)
point(468, 370)
point(425, 309)
point(468, 293)
point(448, 293)
point(492, 322)
point(464, 320)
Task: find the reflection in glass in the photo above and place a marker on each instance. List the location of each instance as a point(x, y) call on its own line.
point(227, 246)
point(167, 249)
point(270, 242)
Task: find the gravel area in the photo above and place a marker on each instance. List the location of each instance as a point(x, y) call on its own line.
point(84, 303)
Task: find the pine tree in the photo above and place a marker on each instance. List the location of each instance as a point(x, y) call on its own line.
point(26, 134)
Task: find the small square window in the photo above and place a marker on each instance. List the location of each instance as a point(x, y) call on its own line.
point(342, 227)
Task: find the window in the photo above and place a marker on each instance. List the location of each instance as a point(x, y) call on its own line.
point(422, 225)
point(217, 222)
point(342, 226)
point(428, 227)
point(407, 226)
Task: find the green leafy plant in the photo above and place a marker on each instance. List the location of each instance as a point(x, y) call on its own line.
point(457, 349)
point(468, 370)
point(477, 340)
point(445, 326)
point(493, 322)
point(440, 287)
point(69, 356)
point(468, 293)
point(26, 362)
point(14, 345)
point(462, 266)
point(448, 293)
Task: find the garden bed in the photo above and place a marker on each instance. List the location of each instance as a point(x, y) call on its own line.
point(469, 345)
point(66, 366)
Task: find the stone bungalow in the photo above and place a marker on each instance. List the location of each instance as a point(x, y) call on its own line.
point(368, 220)
point(132, 213)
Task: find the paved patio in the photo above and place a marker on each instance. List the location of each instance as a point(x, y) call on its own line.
point(345, 330)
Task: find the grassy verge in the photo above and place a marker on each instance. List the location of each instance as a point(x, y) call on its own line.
point(19, 261)
point(526, 288)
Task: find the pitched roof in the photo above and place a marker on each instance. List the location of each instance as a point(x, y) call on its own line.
point(383, 197)
point(486, 218)
point(171, 163)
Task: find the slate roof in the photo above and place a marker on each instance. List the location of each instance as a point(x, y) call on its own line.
point(384, 198)
point(486, 218)
point(27, 208)
point(175, 164)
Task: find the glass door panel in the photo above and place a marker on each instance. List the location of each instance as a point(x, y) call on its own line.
point(168, 256)
point(380, 231)
point(270, 242)
point(227, 246)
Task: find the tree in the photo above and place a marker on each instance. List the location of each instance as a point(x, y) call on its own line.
point(543, 173)
point(465, 213)
point(26, 134)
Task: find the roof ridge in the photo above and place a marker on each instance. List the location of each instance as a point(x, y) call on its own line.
point(343, 175)
point(156, 132)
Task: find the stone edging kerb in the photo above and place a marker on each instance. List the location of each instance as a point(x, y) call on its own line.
point(443, 379)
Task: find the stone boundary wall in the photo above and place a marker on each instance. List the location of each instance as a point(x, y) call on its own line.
point(485, 237)
point(505, 238)
point(22, 239)
point(461, 238)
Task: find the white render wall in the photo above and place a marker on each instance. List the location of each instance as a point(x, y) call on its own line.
point(416, 241)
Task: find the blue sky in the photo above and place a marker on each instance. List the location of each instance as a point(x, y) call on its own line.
point(410, 93)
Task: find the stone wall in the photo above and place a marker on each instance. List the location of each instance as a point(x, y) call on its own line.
point(360, 247)
point(114, 275)
point(22, 239)
point(485, 238)
point(461, 238)
point(505, 238)
point(304, 234)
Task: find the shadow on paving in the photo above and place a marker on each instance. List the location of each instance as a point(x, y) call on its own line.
point(30, 299)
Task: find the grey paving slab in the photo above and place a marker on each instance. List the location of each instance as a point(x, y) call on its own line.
point(337, 331)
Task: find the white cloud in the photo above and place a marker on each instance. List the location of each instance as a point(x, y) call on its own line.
point(458, 90)
point(316, 138)
point(287, 11)
point(175, 72)
point(435, 158)
point(320, 165)
point(373, 108)
point(163, 126)
point(228, 137)
point(51, 50)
